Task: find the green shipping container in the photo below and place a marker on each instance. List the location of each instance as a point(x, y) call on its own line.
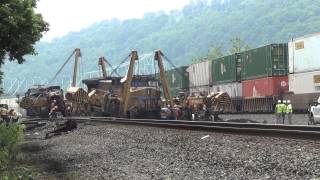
point(266, 61)
point(226, 69)
point(178, 80)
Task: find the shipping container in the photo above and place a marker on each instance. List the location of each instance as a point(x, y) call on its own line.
point(200, 74)
point(266, 61)
point(303, 83)
point(264, 87)
point(304, 53)
point(178, 80)
point(226, 69)
point(200, 89)
point(233, 89)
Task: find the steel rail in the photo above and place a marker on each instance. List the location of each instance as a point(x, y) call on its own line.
point(295, 131)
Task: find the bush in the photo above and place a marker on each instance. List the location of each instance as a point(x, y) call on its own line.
point(10, 137)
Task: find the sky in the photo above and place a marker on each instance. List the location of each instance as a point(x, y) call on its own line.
point(66, 16)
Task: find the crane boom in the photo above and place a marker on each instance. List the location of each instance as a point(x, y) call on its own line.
point(102, 63)
point(75, 68)
point(127, 84)
point(166, 92)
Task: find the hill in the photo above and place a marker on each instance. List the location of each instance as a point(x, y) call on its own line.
point(182, 35)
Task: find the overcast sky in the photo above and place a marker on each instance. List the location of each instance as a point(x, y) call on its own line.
point(72, 15)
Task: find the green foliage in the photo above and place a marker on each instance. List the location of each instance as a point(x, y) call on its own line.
point(238, 45)
point(20, 29)
point(10, 137)
point(75, 175)
point(215, 52)
point(182, 35)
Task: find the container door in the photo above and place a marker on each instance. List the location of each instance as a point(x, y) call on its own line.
point(279, 55)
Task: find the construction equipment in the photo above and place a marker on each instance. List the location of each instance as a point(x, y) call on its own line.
point(201, 107)
point(38, 98)
point(129, 96)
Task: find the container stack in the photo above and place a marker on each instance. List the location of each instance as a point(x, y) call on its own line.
point(304, 69)
point(200, 77)
point(178, 80)
point(264, 71)
point(226, 75)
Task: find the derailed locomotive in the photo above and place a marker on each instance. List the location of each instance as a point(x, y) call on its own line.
point(37, 100)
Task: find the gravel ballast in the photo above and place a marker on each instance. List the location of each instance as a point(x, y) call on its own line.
point(115, 151)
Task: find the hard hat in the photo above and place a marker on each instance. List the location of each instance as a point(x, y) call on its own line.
point(279, 101)
point(288, 101)
point(284, 101)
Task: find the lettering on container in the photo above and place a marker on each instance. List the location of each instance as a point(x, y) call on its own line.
point(299, 45)
point(316, 79)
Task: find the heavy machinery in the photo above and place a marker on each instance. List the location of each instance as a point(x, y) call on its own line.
point(38, 98)
point(200, 107)
point(77, 101)
point(134, 96)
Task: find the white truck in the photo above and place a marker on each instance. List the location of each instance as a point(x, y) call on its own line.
point(314, 113)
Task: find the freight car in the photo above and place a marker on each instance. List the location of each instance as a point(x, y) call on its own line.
point(304, 71)
point(254, 79)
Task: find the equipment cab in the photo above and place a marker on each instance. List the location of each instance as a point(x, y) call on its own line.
point(314, 113)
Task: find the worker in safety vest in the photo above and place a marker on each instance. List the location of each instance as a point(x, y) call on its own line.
point(289, 111)
point(278, 111)
point(284, 110)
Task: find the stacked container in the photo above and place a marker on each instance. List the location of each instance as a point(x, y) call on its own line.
point(264, 71)
point(200, 76)
point(226, 75)
point(178, 80)
point(304, 69)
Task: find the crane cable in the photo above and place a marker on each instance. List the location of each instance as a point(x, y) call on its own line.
point(123, 61)
point(64, 64)
point(113, 70)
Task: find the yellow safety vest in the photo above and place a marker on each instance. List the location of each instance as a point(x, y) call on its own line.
point(289, 108)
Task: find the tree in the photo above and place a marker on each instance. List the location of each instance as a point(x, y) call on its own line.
point(238, 45)
point(215, 52)
point(20, 29)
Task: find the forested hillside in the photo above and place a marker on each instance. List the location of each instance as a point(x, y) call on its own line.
point(182, 35)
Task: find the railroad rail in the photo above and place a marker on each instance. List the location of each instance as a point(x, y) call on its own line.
point(294, 131)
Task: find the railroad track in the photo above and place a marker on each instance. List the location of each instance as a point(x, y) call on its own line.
point(296, 131)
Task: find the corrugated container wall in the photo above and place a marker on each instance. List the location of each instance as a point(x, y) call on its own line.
point(226, 69)
point(304, 54)
point(200, 74)
point(303, 83)
point(178, 80)
point(233, 89)
point(269, 86)
point(266, 61)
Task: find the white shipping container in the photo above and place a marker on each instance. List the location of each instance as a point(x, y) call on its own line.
point(200, 74)
point(304, 53)
point(233, 89)
point(303, 83)
point(201, 89)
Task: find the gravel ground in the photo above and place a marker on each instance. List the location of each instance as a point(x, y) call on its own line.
point(133, 152)
point(299, 119)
